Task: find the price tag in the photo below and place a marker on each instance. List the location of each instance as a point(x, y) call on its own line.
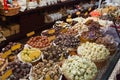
point(89, 9)
point(30, 34)
point(51, 38)
point(6, 54)
point(51, 31)
point(78, 13)
point(69, 20)
point(69, 16)
point(47, 77)
point(15, 47)
point(0, 62)
point(7, 74)
point(86, 14)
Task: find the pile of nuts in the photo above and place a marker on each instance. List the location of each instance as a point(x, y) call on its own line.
point(46, 70)
point(38, 42)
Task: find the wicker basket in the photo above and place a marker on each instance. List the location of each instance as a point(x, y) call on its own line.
point(10, 11)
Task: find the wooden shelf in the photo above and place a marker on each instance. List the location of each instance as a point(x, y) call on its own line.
point(21, 36)
point(50, 7)
point(37, 24)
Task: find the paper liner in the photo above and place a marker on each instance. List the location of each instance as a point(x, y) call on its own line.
point(113, 51)
point(19, 56)
point(100, 64)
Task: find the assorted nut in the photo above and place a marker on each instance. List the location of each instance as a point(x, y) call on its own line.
point(39, 42)
point(46, 70)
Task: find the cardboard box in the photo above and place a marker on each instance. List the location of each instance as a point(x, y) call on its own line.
point(6, 32)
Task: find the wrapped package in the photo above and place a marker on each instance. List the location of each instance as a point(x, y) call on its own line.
point(22, 4)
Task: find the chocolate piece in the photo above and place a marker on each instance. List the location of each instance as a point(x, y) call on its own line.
point(55, 53)
point(68, 41)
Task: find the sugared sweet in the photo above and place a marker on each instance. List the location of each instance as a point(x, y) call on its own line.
point(93, 51)
point(78, 68)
